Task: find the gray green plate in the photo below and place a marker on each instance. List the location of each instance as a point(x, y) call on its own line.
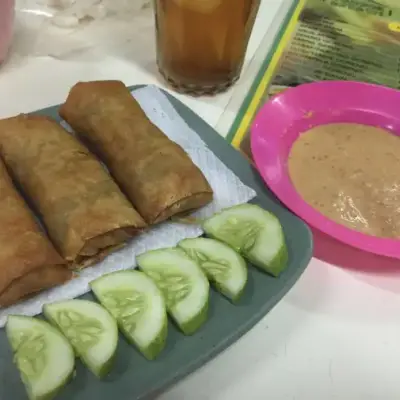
point(133, 377)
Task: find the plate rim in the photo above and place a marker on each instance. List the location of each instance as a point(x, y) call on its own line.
point(242, 168)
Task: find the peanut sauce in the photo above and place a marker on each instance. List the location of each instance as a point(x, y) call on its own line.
point(350, 173)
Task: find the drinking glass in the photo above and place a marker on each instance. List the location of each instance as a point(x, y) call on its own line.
point(201, 44)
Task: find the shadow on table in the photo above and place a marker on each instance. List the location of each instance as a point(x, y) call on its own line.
point(378, 271)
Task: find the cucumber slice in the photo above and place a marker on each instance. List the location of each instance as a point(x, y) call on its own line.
point(255, 233)
point(183, 284)
point(225, 268)
point(137, 304)
point(43, 356)
point(90, 329)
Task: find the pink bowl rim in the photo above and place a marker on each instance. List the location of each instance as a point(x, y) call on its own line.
point(285, 191)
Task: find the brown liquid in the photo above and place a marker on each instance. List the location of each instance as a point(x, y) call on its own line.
point(201, 43)
point(350, 174)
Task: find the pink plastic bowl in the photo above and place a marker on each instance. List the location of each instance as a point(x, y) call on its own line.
point(288, 115)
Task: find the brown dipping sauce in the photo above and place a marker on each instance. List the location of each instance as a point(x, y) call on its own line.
point(351, 174)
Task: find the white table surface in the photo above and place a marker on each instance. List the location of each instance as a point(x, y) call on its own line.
point(335, 336)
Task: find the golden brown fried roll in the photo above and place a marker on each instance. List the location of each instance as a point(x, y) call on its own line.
point(33, 282)
point(25, 251)
point(157, 175)
point(82, 208)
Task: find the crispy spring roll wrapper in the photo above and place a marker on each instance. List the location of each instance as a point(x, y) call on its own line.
point(157, 175)
point(28, 260)
point(82, 208)
point(33, 282)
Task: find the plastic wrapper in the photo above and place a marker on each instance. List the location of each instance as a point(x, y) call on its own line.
point(64, 29)
point(354, 40)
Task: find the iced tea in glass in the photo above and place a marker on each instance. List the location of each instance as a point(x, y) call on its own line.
point(201, 44)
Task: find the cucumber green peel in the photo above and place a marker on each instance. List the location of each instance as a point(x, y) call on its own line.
point(184, 286)
point(43, 356)
point(224, 267)
point(138, 306)
point(253, 232)
point(90, 329)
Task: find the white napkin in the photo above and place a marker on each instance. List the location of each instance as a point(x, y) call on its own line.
point(228, 191)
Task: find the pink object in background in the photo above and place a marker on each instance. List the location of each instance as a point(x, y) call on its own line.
point(6, 26)
point(279, 123)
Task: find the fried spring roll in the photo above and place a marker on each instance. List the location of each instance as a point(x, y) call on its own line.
point(34, 282)
point(157, 175)
point(28, 260)
point(82, 208)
